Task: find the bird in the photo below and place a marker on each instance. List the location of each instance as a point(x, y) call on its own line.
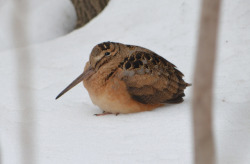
point(122, 79)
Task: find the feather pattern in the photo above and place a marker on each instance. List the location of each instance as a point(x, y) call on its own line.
point(151, 79)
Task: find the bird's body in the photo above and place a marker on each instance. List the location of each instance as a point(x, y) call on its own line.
point(126, 79)
point(111, 94)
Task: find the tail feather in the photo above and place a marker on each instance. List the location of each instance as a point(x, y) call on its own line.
point(176, 100)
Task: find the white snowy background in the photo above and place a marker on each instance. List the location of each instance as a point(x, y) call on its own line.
point(67, 131)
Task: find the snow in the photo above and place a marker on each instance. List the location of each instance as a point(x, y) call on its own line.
point(43, 22)
point(67, 131)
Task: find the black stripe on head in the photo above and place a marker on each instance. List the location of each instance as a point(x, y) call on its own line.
point(104, 46)
point(103, 62)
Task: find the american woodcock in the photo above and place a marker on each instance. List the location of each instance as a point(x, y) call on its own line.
point(126, 79)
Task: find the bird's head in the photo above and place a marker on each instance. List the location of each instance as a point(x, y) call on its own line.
point(101, 54)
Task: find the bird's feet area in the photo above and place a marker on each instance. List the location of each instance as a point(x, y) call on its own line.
point(105, 113)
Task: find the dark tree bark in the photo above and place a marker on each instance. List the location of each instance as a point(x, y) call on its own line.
point(88, 9)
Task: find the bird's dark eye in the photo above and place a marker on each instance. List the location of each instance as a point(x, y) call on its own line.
point(107, 53)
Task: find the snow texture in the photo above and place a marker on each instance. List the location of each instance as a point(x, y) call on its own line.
point(67, 131)
point(47, 19)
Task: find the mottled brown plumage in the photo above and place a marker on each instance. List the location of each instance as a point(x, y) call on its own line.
point(125, 79)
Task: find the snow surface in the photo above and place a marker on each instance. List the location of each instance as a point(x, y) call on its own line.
point(47, 19)
point(67, 131)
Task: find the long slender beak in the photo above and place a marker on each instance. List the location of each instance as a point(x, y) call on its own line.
point(86, 74)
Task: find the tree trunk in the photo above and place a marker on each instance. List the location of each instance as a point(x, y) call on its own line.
point(87, 9)
point(203, 83)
